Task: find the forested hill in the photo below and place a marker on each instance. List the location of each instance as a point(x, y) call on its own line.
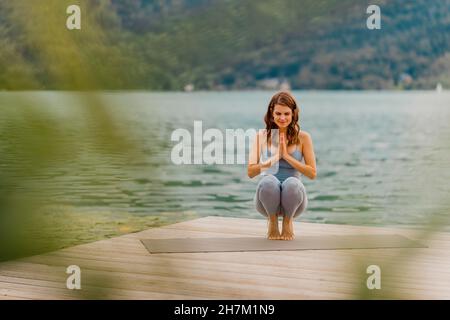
point(240, 44)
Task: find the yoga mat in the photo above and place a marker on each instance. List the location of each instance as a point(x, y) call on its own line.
point(327, 242)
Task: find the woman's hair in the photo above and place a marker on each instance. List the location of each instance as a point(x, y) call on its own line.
point(285, 99)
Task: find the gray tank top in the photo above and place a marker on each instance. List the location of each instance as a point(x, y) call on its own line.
point(282, 170)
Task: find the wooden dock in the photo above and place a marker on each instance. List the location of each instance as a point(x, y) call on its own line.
point(121, 267)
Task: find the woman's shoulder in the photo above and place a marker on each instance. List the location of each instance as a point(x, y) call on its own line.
point(304, 137)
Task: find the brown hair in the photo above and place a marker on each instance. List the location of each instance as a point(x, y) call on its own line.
point(283, 98)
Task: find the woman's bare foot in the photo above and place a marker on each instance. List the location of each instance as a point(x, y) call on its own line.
point(273, 233)
point(288, 229)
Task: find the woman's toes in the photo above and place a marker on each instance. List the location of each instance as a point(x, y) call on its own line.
point(273, 232)
point(273, 236)
point(287, 236)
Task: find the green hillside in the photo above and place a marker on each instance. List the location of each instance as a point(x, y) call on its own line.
point(227, 44)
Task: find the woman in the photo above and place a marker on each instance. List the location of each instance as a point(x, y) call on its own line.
point(280, 192)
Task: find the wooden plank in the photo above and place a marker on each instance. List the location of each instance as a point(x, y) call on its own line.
point(129, 272)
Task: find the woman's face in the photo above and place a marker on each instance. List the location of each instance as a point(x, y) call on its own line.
point(282, 116)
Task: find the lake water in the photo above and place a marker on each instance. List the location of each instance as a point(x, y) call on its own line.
point(382, 157)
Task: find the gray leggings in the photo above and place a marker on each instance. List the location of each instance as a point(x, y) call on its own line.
point(287, 198)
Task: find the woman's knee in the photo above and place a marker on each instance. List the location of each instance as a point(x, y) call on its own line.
point(302, 207)
point(268, 186)
point(293, 197)
point(293, 188)
point(267, 197)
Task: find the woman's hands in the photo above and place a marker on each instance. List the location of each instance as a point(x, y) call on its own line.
point(280, 152)
point(308, 168)
point(282, 148)
point(255, 166)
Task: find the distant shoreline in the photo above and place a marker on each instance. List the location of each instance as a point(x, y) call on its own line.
point(229, 91)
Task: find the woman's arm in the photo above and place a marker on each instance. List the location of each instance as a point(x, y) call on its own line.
point(309, 168)
point(254, 166)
